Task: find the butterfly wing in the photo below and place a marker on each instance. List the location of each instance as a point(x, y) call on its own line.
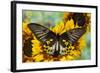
point(72, 35)
point(42, 33)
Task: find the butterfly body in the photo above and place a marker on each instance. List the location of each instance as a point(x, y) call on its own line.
point(56, 44)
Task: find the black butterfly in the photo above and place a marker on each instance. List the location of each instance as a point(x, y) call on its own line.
point(56, 44)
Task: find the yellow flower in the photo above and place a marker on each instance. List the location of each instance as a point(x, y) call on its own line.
point(75, 53)
point(82, 42)
point(69, 57)
point(59, 28)
point(36, 47)
point(25, 28)
point(38, 57)
point(63, 58)
point(69, 25)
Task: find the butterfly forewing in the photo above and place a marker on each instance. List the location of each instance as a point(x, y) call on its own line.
point(71, 36)
point(43, 34)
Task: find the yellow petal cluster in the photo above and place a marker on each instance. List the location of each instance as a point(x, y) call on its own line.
point(36, 47)
point(61, 27)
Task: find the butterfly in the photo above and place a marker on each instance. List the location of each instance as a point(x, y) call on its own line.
point(55, 44)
